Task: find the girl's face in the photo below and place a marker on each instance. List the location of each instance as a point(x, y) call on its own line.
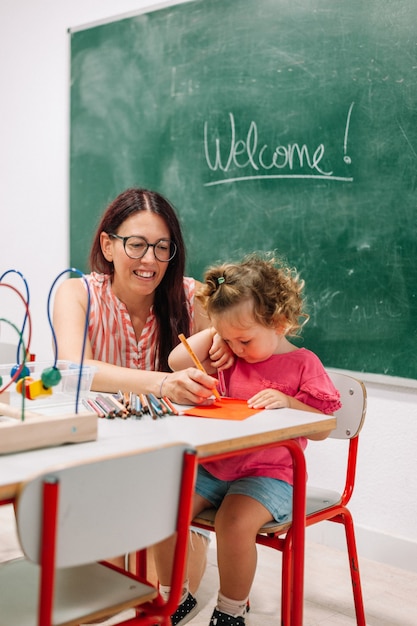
point(141, 275)
point(248, 339)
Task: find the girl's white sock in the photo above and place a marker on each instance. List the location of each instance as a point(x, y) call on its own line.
point(236, 608)
point(165, 590)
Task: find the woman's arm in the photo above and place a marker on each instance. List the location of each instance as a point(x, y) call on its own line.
point(189, 386)
point(69, 319)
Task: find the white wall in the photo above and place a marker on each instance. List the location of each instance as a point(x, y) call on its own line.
point(34, 133)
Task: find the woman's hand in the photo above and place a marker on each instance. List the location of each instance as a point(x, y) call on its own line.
point(189, 386)
point(269, 399)
point(221, 356)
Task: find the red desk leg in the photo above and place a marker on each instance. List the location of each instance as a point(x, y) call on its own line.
point(298, 532)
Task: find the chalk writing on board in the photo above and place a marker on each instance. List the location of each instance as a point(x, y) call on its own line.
point(347, 158)
point(260, 158)
point(368, 311)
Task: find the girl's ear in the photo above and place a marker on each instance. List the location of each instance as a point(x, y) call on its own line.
point(106, 246)
point(281, 325)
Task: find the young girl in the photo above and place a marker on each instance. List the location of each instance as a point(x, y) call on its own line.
point(254, 306)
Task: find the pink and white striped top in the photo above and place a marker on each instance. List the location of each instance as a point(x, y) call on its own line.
point(111, 331)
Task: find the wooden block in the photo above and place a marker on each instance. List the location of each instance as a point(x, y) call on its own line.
point(43, 431)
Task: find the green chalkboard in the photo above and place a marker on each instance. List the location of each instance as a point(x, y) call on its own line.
point(270, 124)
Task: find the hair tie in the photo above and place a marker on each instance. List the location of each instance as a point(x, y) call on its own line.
point(221, 280)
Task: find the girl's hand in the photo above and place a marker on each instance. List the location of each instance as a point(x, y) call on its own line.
point(221, 356)
point(269, 399)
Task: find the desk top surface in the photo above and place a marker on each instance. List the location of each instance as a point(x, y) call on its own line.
point(208, 436)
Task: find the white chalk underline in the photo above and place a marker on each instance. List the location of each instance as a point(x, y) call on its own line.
point(270, 176)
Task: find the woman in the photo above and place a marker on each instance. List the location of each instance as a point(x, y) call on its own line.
point(140, 302)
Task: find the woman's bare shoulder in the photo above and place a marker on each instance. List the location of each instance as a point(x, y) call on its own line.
point(71, 288)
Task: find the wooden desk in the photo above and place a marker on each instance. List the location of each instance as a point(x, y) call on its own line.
point(210, 437)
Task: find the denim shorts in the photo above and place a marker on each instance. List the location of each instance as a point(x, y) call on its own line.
point(274, 494)
point(201, 531)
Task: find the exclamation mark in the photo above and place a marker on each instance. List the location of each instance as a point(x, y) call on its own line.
point(347, 158)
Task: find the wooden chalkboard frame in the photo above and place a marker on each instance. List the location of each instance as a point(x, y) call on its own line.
point(270, 125)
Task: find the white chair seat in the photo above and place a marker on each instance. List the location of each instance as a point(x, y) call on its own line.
point(317, 500)
point(83, 592)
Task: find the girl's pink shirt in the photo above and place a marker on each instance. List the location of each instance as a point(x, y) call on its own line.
point(299, 374)
point(110, 329)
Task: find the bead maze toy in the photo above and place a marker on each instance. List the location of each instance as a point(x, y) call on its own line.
point(29, 382)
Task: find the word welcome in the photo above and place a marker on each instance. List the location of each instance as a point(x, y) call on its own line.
point(249, 152)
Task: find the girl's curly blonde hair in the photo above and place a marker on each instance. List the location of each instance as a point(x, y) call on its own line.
point(275, 289)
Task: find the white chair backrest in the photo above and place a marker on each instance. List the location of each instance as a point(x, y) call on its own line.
point(107, 507)
point(8, 352)
point(351, 416)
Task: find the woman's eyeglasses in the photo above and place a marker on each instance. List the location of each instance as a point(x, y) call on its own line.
point(136, 247)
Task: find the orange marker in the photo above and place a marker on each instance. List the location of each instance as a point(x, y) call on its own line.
point(196, 360)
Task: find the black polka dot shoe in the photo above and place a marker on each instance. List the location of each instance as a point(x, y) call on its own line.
point(222, 619)
point(185, 611)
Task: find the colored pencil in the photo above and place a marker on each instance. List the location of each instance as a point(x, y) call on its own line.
point(196, 360)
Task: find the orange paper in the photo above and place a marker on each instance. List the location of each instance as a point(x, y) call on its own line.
point(224, 409)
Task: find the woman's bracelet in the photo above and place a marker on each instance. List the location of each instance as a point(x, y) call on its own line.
point(161, 385)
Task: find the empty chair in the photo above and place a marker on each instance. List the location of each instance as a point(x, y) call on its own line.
point(72, 518)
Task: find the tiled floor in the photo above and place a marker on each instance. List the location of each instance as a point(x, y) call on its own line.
point(390, 594)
